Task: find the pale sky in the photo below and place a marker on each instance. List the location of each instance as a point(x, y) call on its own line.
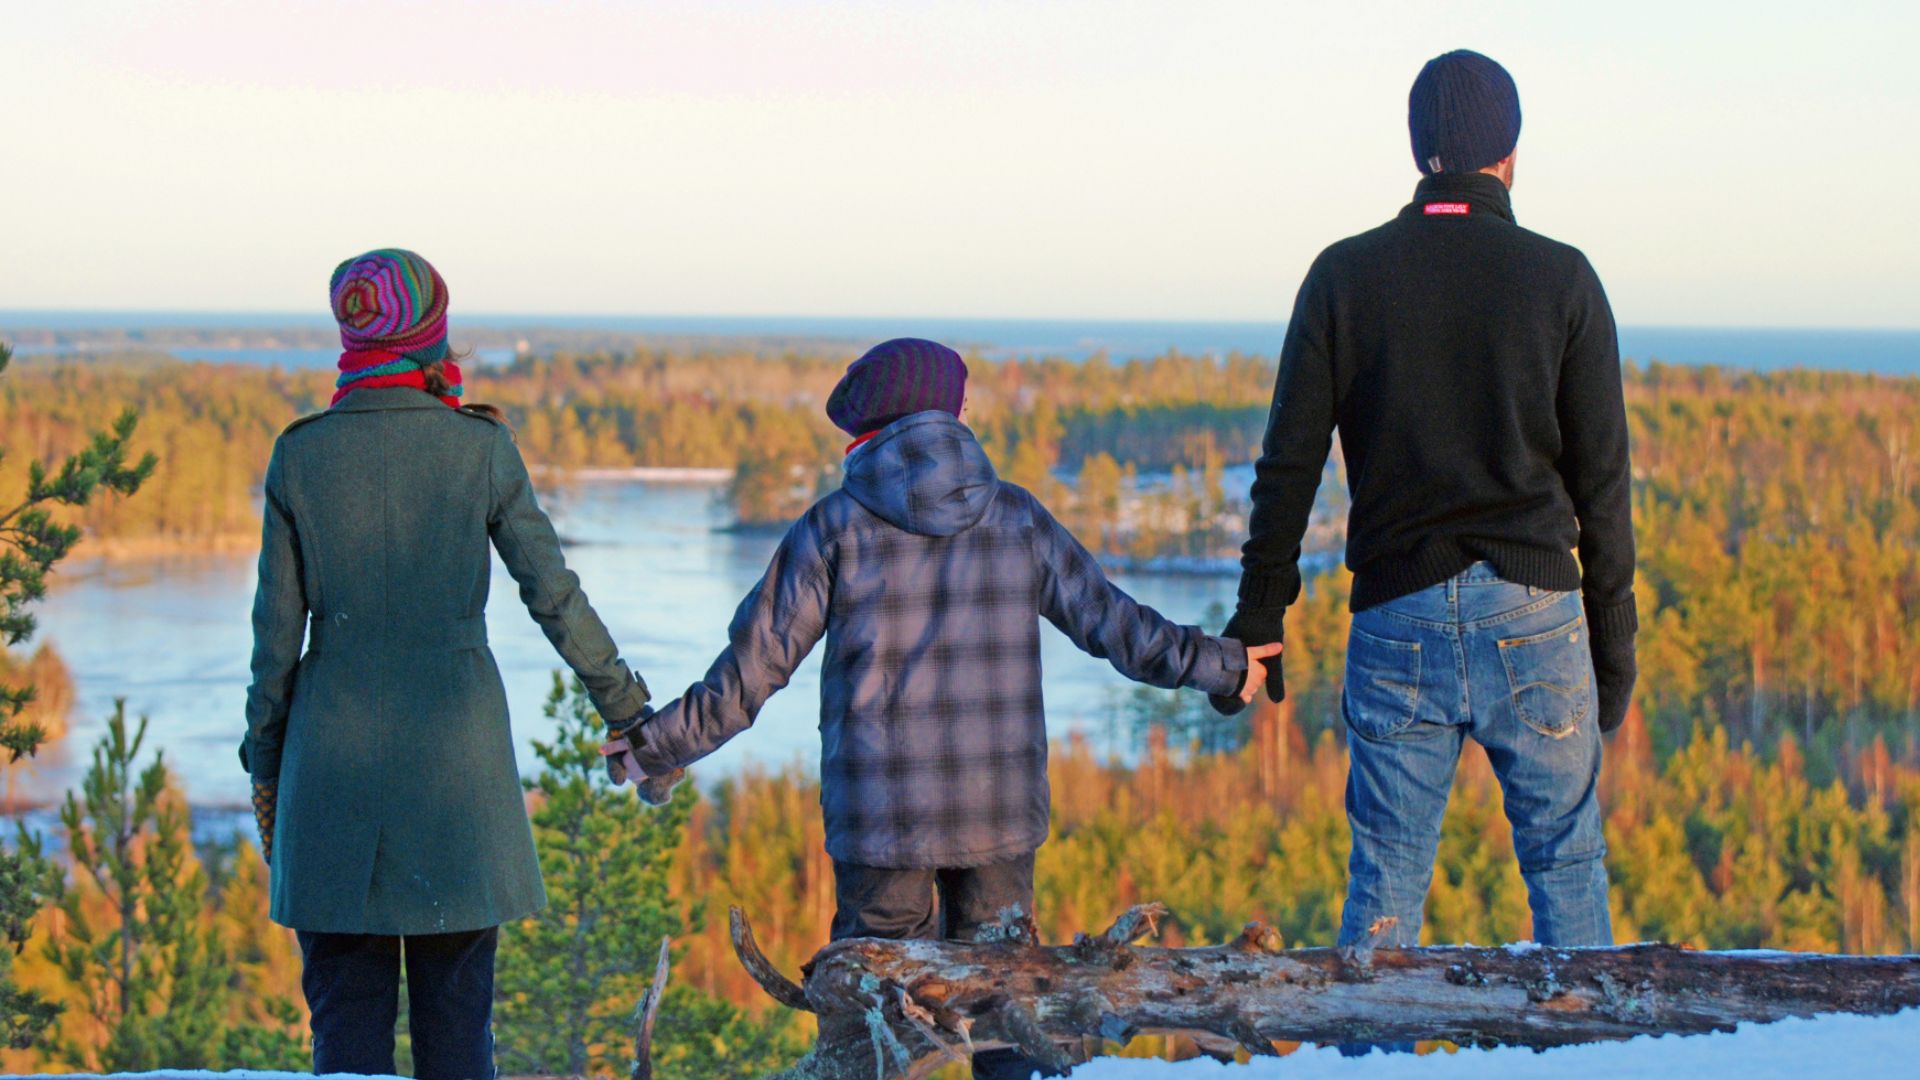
point(1747, 163)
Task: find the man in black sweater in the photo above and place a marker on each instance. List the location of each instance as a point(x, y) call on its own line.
point(1472, 371)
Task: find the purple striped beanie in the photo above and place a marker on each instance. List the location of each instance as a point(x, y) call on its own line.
point(896, 379)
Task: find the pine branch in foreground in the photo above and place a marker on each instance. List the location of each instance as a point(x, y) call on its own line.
point(31, 542)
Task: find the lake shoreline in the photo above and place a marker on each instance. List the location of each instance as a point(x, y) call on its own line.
point(257, 337)
point(134, 549)
point(94, 549)
point(690, 475)
point(91, 555)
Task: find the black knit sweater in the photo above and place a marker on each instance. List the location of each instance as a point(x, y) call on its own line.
point(1472, 370)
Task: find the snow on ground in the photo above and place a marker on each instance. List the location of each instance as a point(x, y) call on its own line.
point(187, 1074)
point(1863, 1046)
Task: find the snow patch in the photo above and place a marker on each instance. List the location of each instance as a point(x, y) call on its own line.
point(1835, 1045)
point(234, 1074)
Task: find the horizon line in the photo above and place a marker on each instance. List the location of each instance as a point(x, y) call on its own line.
point(483, 318)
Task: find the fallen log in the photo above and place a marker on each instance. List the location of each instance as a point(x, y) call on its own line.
point(902, 1008)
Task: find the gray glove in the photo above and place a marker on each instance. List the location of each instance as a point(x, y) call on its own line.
point(658, 790)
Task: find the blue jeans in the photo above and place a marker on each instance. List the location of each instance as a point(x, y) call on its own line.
point(1509, 666)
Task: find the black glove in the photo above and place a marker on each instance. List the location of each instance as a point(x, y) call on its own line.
point(1614, 672)
point(628, 729)
point(1256, 626)
point(266, 803)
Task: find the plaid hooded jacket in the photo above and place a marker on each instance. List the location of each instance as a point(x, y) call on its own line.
point(927, 575)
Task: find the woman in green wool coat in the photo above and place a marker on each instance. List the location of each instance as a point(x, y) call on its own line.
point(383, 767)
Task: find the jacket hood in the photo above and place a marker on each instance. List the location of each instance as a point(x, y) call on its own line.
point(925, 473)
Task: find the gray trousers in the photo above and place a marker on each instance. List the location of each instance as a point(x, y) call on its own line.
point(879, 902)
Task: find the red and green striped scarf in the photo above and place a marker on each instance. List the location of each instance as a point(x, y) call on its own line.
point(372, 369)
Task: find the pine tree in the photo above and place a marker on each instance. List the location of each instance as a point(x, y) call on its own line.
point(569, 977)
point(25, 881)
point(138, 947)
point(31, 542)
point(701, 1037)
point(268, 1029)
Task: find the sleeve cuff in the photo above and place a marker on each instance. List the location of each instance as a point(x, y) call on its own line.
point(1268, 590)
point(1613, 621)
point(261, 763)
point(632, 699)
point(1221, 667)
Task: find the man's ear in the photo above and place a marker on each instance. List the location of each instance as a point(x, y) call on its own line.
point(1503, 168)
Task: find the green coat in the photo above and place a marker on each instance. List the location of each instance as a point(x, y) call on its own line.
point(400, 807)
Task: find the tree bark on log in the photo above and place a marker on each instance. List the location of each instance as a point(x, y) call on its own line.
point(902, 1008)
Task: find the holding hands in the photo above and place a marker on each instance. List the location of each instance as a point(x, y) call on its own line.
point(623, 765)
point(1257, 655)
point(1261, 628)
point(618, 749)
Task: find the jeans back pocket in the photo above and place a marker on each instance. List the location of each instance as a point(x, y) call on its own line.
point(1382, 688)
point(1551, 677)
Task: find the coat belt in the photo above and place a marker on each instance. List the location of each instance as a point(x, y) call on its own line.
point(442, 635)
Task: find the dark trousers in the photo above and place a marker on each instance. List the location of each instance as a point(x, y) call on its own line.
point(874, 901)
point(352, 983)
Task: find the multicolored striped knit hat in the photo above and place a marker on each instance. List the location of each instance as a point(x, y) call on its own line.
point(896, 379)
point(391, 305)
point(391, 300)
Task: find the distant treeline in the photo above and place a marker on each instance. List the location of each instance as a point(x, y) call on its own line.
point(744, 409)
point(1778, 515)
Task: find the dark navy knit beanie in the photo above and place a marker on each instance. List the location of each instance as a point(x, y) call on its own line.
point(1463, 113)
point(896, 379)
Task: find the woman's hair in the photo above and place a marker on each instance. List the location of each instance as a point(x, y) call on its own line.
point(438, 386)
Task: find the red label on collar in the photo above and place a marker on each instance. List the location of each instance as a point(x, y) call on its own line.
point(1448, 208)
